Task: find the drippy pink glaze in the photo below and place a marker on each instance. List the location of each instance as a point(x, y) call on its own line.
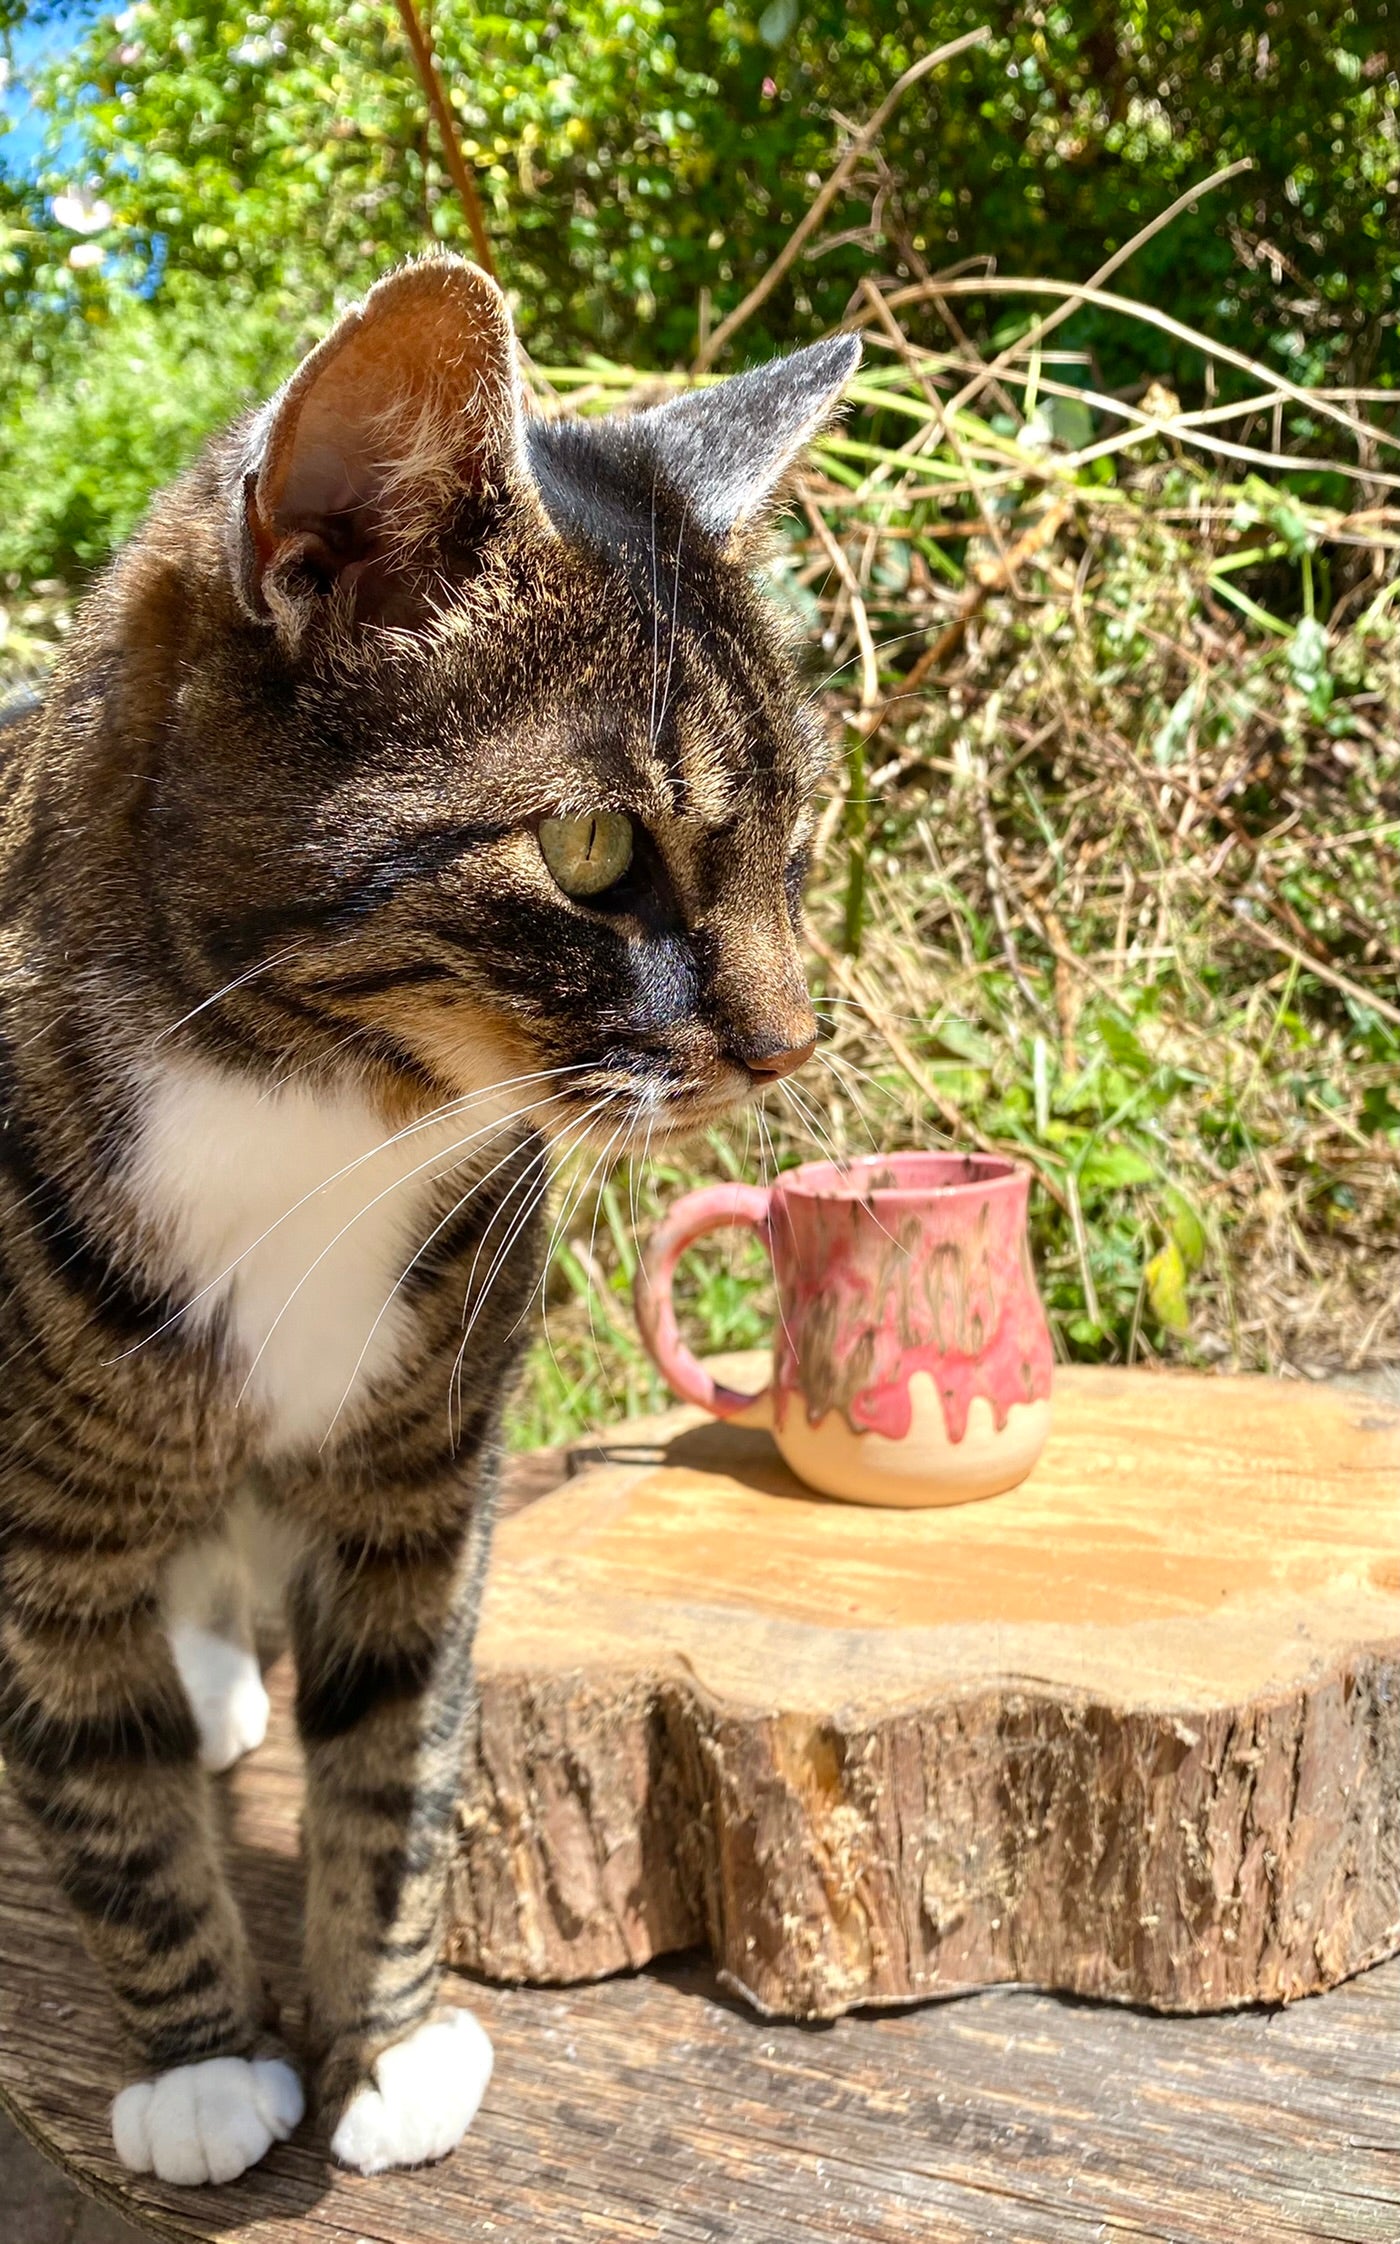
point(920, 1263)
point(917, 1262)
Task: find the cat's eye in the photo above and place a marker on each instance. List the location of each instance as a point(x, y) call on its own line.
point(587, 855)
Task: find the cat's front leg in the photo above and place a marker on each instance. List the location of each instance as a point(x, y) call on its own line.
point(102, 1750)
point(383, 1625)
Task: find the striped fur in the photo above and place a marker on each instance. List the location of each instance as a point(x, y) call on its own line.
point(291, 1016)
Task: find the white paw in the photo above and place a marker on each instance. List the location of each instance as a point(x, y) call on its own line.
point(206, 2122)
point(225, 1688)
point(426, 2093)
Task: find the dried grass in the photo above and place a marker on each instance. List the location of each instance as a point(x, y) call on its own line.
point(1110, 876)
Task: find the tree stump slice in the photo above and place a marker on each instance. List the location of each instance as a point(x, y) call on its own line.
point(1131, 1731)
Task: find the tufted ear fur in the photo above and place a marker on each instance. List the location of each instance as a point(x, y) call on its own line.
point(402, 429)
point(727, 448)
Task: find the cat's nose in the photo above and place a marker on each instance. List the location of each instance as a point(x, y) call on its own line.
point(766, 1067)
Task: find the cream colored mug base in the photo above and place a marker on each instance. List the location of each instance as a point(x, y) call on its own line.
point(925, 1468)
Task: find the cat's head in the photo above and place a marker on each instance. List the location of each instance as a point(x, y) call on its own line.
point(516, 782)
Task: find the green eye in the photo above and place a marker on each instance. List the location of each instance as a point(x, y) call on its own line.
point(586, 855)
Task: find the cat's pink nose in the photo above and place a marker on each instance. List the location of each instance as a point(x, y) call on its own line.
point(768, 1066)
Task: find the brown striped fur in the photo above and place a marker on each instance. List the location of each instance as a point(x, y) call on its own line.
point(274, 833)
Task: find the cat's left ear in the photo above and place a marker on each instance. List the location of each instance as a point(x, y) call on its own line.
point(407, 414)
point(726, 449)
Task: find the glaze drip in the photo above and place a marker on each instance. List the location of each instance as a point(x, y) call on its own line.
point(880, 1284)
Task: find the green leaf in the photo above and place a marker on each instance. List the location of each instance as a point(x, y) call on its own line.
point(1379, 1111)
point(777, 21)
point(1071, 422)
point(1166, 1288)
point(1125, 1048)
point(1186, 1228)
point(1176, 730)
point(1112, 1168)
point(965, 1042)
point(1307, 656)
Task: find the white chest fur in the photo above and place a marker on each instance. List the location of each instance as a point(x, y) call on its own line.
point(294, 1215)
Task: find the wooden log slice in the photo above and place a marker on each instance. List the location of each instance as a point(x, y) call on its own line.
point(1132, 1730)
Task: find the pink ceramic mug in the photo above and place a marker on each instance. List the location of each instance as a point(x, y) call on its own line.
point(911, 1359)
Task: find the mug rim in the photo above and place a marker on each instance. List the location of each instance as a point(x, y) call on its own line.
point(840, 1179)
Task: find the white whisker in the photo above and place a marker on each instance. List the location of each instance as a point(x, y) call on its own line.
point(833, 1059)
point(848, 1092)
point(451, 1155)
point(888, 1012)
point(528, 1208)
point(438, 1228)
point(410, 1129)
point(764, 1137)
point(569, 1201)
point(810, 1121)
point(304, 1066)
point(604, 1157)
point(249, 974)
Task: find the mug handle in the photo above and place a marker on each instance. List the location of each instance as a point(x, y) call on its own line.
point(716, 1207)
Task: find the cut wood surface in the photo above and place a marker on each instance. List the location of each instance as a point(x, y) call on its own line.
point(1132, 1730)
point(650, 2110)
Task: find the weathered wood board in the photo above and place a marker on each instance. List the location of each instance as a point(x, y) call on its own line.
point(648, 2110)
point(1132, 1730)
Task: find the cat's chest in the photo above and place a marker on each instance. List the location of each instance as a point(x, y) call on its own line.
point(290, 1219)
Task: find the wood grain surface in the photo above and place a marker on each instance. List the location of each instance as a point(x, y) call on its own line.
point(1132, 1730)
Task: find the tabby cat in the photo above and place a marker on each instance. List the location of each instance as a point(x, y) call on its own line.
point(423, 790)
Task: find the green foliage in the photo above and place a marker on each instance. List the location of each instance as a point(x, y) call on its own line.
point(85, 441)
point(286, 155)
point(631, 153)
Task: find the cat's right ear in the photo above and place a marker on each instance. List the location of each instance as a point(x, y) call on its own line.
point(405, 419)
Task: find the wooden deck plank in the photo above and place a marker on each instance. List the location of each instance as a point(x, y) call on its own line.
point(655, 2110)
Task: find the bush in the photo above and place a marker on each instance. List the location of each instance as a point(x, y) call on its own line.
point(116, 411)
point(634, 152)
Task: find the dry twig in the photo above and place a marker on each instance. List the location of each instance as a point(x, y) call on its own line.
point(816, 211)
point(421, 49)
